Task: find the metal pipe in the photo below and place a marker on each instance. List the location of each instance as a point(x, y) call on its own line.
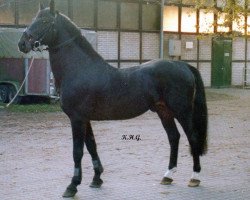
point(161, 31)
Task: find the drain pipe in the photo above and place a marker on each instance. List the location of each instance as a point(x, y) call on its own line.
point(161, 31)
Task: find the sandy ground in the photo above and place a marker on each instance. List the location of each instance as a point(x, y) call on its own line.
point(36, 155)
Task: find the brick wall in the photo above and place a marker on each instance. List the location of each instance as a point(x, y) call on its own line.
point(205, 70)
point(128, 64)
point(150, 46)
point(205, 50)
point(107, 45)
point(130, 46)
point(238, 49)
point(194, 64)
point(130, 50)
point(248, 74)
point(248, 49)
point(237, 73)
point(188, 54)
point(167, 37)
point(238, 54)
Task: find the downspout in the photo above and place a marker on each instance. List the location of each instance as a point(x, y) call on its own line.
point(161, 31)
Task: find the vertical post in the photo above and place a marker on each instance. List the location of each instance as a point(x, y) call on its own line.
point(198, 41)
point(16, 14)
point(246, 48)
point(70, 9)
point(96, 15)
point(140, 29)
point(161, 31)
point(119, 32)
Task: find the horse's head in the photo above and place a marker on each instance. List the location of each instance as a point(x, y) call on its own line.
point(42, 31)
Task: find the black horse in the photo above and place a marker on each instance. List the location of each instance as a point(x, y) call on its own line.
point(91, 89)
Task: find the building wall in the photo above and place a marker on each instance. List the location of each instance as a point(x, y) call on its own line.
point(107, 44)
point(200, 56)
point(238, 64)
point(128, 33)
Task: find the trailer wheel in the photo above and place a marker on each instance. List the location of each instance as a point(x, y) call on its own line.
point(11, 94)
point(4, 94)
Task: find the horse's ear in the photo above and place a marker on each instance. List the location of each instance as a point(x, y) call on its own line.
point(52, 7)
point(41, 6)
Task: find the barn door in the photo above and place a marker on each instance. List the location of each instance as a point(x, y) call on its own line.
point(221, 62)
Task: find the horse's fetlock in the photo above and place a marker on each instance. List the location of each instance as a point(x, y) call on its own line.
point(76, 180)
point(97, 166)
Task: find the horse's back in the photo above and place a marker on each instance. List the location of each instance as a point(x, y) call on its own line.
point(170, 69)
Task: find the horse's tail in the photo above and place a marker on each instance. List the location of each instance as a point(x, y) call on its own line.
point(200, 118)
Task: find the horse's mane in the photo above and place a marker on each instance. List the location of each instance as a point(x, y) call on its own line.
point(74, 31)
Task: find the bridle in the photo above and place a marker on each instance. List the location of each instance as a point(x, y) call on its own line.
point(39, 37)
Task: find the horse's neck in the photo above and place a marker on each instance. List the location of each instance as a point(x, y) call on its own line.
point(74, 58)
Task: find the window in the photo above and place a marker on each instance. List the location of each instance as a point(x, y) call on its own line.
point(7, 12)
point(107, 14)
point(238, 25)
point(130, 16)
point(248, 25)
point(188, 2)
point(62, 6)
point(206, 21)
point(174, 1)
point(170, 19)
point(151, 17)
point(27, 11)
point(220, 22)
point(83, 13)
point(188, 20)
point(221, 3)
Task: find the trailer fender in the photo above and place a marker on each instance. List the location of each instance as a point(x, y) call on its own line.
point(9, 90)
point(15, 84)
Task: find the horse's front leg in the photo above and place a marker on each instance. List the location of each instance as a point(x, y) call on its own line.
point(92, 149)
point(78, 132)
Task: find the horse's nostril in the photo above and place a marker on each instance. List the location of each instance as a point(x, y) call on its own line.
point(21, 45)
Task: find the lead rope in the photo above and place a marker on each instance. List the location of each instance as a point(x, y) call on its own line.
point(25, 78)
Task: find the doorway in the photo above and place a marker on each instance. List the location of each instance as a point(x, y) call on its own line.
point(221, 62)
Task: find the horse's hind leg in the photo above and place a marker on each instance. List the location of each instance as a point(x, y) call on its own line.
point(187, 125)
point(97, 165)
point(169, 125)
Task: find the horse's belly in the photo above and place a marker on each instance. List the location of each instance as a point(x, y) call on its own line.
point(119, 110)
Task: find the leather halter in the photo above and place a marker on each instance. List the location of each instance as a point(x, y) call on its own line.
point(39, 37)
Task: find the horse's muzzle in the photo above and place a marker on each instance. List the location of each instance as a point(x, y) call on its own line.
point(24, 46)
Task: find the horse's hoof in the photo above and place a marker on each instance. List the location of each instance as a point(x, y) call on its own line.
point(96, 183)
point(166, 181)
point(70, 191)
point(194, 183)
